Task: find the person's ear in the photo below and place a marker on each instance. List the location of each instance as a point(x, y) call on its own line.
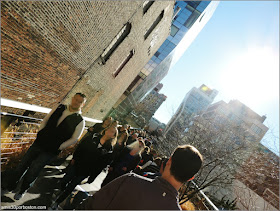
point(168, 163)
point(83, 103)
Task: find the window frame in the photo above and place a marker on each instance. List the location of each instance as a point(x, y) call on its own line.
point(123, 63)
point(118, 39)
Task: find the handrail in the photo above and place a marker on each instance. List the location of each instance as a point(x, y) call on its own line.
point(17, 143)
point(31, 107)
point(18, 138)
point(207, 199)
point(7, 153)
point(20, 133)
point(16, 115)
point(11, 148)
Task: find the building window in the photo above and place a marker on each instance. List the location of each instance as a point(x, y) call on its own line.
point(193, 17)
point(149, 31)
point(146, 6)
point(256, 129)
point(177, 10)
point(157, 54)
point(124, 62)
point(173, 30)
point(115, 42)
point(142, 75)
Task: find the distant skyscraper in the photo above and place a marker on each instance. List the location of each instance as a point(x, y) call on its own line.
point(196, 100)
point(147, 107)
point(188, 20)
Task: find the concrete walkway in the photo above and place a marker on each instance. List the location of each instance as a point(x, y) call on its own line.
point(39, 196)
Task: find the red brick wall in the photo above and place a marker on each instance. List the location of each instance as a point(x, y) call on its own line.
point(32, 72)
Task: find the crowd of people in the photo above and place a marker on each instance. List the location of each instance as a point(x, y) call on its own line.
point(135, 170)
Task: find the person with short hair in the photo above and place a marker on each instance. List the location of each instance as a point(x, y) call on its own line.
point(160, 193)
point(99, 127)
point(132, 138)
point(61, 128)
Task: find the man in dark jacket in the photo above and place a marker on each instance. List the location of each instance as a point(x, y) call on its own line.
point(61, 128)
point(134, 192)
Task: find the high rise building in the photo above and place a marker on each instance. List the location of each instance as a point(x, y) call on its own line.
point(147, 107)
point(195, 101)
point(188, 20)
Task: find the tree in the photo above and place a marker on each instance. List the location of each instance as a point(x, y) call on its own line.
point(224, 145)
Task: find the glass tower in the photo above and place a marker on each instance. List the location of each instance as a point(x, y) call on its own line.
point(196, 100)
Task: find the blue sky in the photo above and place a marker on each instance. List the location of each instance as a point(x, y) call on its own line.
point(236, 53)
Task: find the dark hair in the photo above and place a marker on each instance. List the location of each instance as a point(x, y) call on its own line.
point(186, 162)
point(147, 149)
point(81, 94)
point(158, 161)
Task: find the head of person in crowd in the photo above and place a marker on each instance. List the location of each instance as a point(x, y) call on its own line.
point(141, 145)
point(123, 127)
point(158, 161)
point(135, 136)
point(122, 137)
point(107, 122)
point(153, 153)
point(146, 150)
point(77, 102)
point(110, 134)
point(115, 123)
point(138, 145)
point(183, 164)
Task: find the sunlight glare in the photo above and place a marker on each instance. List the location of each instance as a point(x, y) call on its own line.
point(252, 77)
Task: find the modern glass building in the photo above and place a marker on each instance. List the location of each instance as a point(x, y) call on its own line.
point(185, 15)
point(196, 100)
point(188, 20)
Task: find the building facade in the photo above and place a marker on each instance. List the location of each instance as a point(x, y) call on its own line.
point(195, 101)
point(257, 181)
point(51, 50)
point(188, 19)
point(229, 135)
point(147, 107)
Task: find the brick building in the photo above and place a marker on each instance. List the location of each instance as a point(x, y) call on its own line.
point(260, 175)
point(50, 50)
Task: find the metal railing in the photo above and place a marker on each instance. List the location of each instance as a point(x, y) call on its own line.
point(16, 140)
point(212, 205)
